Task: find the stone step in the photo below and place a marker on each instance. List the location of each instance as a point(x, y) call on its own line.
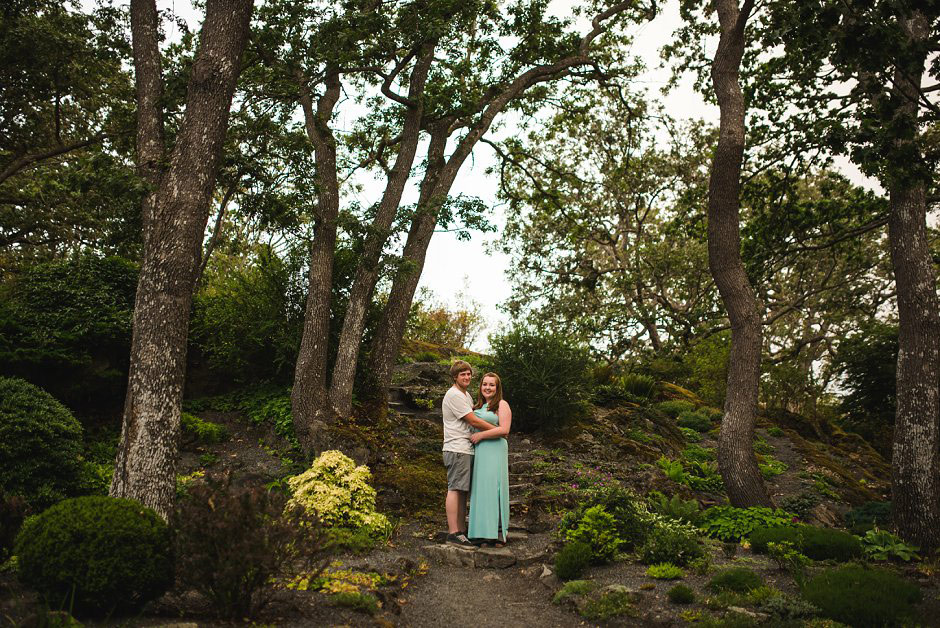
point(480, 558)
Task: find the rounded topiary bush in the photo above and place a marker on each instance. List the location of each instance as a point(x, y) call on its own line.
point(572, 560)
point(96, 555)
point(862, 597)
point(737, 579)
point(40, 444)
point(681, 594)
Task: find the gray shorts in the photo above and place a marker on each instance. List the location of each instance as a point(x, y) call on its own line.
point(459, 470)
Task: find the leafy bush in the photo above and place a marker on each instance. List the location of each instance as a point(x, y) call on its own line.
point(694, 420)
point(670, 541)
point(800, 504)
point(862, 597)
point(681, 594)
point(816, 543)
point(868, 516)
point(665, 571)
point(785, 606)
point(631, 518)
point(608, 604)
point(675, 407)
point(96, 555)
point(771, 467)
point(356, 600)
point(202, 431)
point(65, 325)
point(731, 524)
point(675, 507)
point(433, 322)
point(546, 376)
point(882, 545)
point(690, 435)
point(572, 560)
point(697, 453)
point(761, 446)
point(774, 431)
point(737, 579)
point(572, 588)
point(673, 469)
point(788, 557)
point(638, 385)
point(704, 476)
point(40, 445)
point(231, 541)
point(598, 530)
point(338, 493)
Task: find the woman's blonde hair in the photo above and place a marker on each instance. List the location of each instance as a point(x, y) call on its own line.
point(493, 406)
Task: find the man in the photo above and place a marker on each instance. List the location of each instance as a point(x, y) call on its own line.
point(458, 450)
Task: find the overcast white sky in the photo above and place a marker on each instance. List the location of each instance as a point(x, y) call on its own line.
point(454, 266)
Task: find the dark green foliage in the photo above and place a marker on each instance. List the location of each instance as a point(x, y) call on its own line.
point(671, 542)
point(882, 545)
point(263, 405)
point(786, 606)
point(546, 376)
point(816, 543)
point(731, 524)
point(774, 431)
point(66, 326)
point(681, 594)
point(356, 600)
point(630, 518)
point(608, 604)
point(231, 541)
point(96, 555)
point(40, 445)
point(202, 431)
point(862, 597)
point(597, 528)
point(426, 356)
point(869, 515)
point(675, 507)
point(13, 511)
point(675, 407)
point(737, 579)
point(694, 420)
point(800, 504)
point(572, 560)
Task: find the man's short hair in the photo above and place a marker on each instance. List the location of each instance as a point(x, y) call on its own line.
point(458, 367)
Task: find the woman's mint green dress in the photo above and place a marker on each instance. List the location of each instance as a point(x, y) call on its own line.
point(489, 491)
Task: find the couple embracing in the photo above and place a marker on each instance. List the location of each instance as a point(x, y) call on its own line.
point(476, 455)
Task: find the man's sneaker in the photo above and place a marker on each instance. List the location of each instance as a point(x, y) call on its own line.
point(460, 540)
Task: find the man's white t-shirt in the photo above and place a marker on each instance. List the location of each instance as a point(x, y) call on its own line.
point(457, 404)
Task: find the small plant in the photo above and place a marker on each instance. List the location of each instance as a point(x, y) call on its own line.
point(665, 571)
point(572, 588)
point(598, 530)
point(694, 420)
point(631, 517)
point(96, 555)
point(736, 579)
point(729, 549)
point(882, 545)
point(801, 504)
point(202, 431)
point(670, 541)
point(771, 467)
point(609, 604)
point(687, 510)
point(675, 407)
point(789, 559)
point(356, 600)
point(572, 560)
point(208, 459)
point(426, 356)
point(681, 594)
point(732, 524)
point(704, 476)
point(690, 435)
point(697, 453)
point(870, 514)
point(424, 402)
point(672, 468)
point(857, 596)
point(774, 431)
point(785, 606)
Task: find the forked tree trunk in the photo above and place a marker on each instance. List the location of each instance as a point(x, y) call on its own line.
point(310, 400)
point(175, 214)
point(736, 460)
point(367, 271)
point(915, 457)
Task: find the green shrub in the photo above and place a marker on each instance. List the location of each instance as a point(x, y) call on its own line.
point(697, 453)
point(202, 431)
point(737, 579)
point(761, 446)
point(609, 604)
point(774, 431)
point(96, 555)
point(675, 507)
point(690, 435)
point(65, 325)
point(338, 493)
point(800, 504)
point(771, 467)
point(862, 597)
point(882, 545)
point(546, 376)
point(232, 541)
point(681, 594)
point(665, 571)
point(694, 420)
point(704, 476)
point(598, 530)
point(673, 469)
point(674, 407)
point(868, 516)
point(785, 606)
point(631, 517)
point(572, 560)
point(356, 600)
point(638, 385)
point(572, 588)
point(731, 524)
point(670, 541)
point(790, 559)
point(40, 445)
point(816, 543)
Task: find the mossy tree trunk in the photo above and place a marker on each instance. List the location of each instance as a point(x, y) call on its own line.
point(736, 459)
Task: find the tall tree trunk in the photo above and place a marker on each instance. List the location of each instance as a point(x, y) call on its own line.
point(367, 271)
point(736, 459)
point(175, 217)
point(310, 400)
point(915, 457)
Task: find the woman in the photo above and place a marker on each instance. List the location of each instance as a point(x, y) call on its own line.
point(489, 489)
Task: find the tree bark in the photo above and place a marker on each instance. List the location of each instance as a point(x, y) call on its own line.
point(367, 271)
point(175, 215)
point(736, 459)
point(915, 456)
point(310, 400)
